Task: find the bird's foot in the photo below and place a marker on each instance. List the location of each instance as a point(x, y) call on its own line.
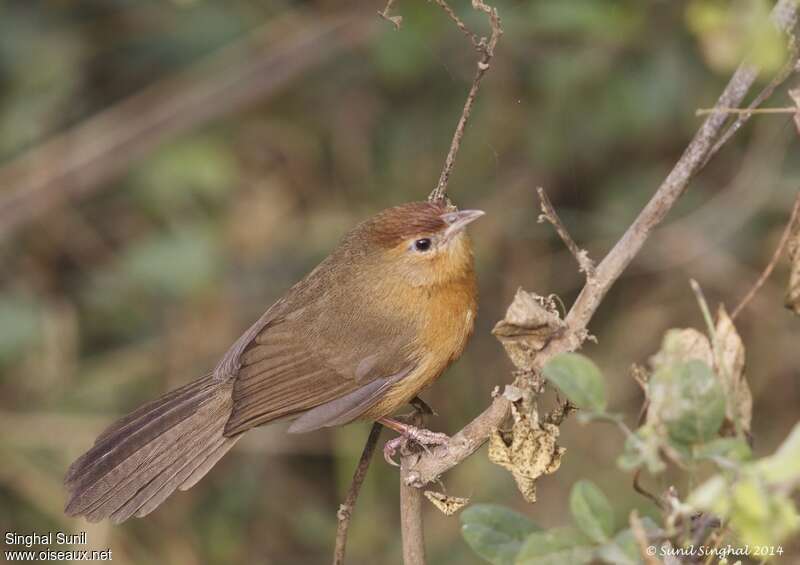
point(420, 436)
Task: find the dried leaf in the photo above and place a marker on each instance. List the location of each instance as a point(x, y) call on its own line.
point(528, 451)
point(793, 290)
point(531, 321)
point(447, 505)
point(729, 357)
point(681, 345)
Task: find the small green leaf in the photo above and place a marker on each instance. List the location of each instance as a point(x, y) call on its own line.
point(592, 511)
point(579, 379)
point(725, 447)
point(556, 547)
point(494, 532)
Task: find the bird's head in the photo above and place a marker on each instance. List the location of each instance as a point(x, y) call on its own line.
point(423, 243)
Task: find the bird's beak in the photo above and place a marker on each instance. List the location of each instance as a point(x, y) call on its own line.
point(457, 221)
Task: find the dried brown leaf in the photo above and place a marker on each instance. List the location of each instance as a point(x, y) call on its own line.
point(681, 345)
point(729, 359)
point(528, 451)
point(531, 321)
point(447, 505)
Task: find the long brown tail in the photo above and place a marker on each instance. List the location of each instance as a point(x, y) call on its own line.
point(142, 458)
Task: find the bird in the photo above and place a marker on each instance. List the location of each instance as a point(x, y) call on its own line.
point(375, 323)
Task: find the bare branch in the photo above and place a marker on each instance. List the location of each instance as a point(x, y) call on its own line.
point(411, 520)
point(485, 48)
point(430, 466)
point(345, 512)
point(773, 261)
point(411, 524)
point(585, 264)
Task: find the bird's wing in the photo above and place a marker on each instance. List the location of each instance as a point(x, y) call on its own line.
point(326, 375)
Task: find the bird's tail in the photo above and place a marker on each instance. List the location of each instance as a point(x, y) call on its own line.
point(142, 458)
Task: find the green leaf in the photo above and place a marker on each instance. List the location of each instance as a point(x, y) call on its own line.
point(687, 400)
point(556, 547)
point(579, 379)
point(784, 465)
point(725, 447)
point(494, 532)
point(592, 511)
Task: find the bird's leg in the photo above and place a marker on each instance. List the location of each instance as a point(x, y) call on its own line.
point(408, 432)
point(422, 407)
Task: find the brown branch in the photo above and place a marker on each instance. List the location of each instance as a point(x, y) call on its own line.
point(345, 512)
point(585, 264)
point(430, 466)
point(88, 156)
point(773, 261)
point(411, 524)
point(485, 48)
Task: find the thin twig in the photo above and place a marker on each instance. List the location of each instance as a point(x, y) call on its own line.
point(787, 16)
point(637, 486)
point(397, 21)
point(773, 261)
point(473, 435)
point(585, 264)
point(345, 512)
point(473, 37)
point(485, 49)
point(748, 111)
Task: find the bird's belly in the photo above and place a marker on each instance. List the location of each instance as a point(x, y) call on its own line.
point(446, 340)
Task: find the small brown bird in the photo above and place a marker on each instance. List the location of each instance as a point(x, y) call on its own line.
point(371, 326)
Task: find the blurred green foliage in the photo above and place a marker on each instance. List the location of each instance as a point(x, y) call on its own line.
point(121, 294)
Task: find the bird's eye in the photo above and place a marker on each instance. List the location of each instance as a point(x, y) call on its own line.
point(422, 244)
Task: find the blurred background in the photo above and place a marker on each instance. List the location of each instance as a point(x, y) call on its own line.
point(169, 168)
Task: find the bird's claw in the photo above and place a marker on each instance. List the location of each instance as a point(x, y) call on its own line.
point(420, 436)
